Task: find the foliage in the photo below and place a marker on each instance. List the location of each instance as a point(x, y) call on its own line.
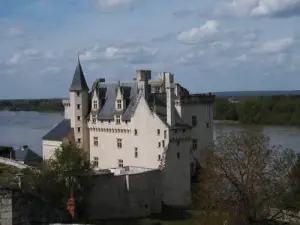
point(283, 110)
point(39, 105)
point(246, 177)
point(8, 176)
point(6, 152)
point(56, 178)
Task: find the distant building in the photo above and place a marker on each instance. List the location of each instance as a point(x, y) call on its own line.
point(144, 123)
point(25, 155)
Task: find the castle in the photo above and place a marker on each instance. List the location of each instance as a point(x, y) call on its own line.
point(142, 124)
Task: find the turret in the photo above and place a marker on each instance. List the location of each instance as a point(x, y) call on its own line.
point(169, 87)
point(79, 92)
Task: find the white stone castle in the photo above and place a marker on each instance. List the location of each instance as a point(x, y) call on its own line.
point(142, 124)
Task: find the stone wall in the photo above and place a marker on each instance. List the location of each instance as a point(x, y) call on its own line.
point(125, 196)
point(6, 207)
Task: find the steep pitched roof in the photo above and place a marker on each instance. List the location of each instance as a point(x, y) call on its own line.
point(129, 90)
point(58, 132)
point(27, 156)
point(79, 82)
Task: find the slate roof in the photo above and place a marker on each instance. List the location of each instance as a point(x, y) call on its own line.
point(79, 82)
point(27, 156)
point(156, 101)
point(58, 132)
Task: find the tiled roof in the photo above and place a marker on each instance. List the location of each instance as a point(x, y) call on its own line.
point(79, 82)
point(58, 132)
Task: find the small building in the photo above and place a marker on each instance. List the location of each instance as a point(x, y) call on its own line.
point(25, 155)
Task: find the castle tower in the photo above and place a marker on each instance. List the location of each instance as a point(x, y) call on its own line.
point(79, 97)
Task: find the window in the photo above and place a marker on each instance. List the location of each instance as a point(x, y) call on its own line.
point(195, 144)
point(163, 144)
point(118, 119)
point(120, 163)
point(109, 121)
point(94, 119)
point(178, 142)
point(95, 104)
point(78, 93)
point(78, 106)
point(165, 134)
point(119, 142)
point(79, 140)
point(159, 157)
point(78, 129)
point(96, 141)
point(183, 130)
point(178, 155)
point(78, 118)
point(96, 161)
point(158, 131)
point(119, 104)
point(135, 132)
point(159, 144)
point(135, 152)
point(207, 125)
point(157, 89)
point(194, 121)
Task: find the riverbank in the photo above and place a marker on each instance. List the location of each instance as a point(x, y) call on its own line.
point(226, 122)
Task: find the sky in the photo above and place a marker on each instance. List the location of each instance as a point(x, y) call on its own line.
point(209, 45)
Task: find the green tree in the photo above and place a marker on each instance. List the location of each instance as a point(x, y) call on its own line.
point(68, 170)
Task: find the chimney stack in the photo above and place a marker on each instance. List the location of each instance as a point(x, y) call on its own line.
point(169, 86)
point(142, 78)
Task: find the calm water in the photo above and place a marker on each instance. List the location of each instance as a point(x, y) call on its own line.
point(19, 128)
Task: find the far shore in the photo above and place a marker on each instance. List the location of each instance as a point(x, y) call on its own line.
point(226, 122)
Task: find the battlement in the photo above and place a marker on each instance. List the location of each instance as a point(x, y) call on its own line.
point(196, 99)
point(66, 102)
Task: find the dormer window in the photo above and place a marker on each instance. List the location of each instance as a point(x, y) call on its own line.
point(95, 104)
point(119, 104)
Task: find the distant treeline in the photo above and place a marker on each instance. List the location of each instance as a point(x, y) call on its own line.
point(274, 110)
point(39, 105)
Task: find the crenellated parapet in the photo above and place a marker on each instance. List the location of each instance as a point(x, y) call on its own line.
point(195, 99)
point(66, 102)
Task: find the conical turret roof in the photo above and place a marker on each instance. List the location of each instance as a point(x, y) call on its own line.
point(79, 82)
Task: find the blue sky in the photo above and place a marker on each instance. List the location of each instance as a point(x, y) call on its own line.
point(210, 45)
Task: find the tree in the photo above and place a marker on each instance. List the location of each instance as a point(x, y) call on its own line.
point(68, 171)
point(245, 176)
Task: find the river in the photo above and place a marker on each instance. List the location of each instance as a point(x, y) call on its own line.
point(20, 128)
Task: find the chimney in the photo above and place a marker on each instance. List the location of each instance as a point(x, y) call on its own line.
point(142, 78)
point(169, 86)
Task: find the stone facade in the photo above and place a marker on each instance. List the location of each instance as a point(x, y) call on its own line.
point(144, 123)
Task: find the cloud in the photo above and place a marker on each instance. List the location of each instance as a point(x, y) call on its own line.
point(13, 32)
point(14, 60)
point(276, 46)
point(111, 5)
point(131, 53)
point(204, 33)
point(258, 8)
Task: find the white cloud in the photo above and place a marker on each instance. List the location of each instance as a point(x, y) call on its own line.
point(195, 35)
point(31, 52)
point(130, 53)
point(276, 46)
point(258, 8)
point(14, 60)
point(114, 4)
